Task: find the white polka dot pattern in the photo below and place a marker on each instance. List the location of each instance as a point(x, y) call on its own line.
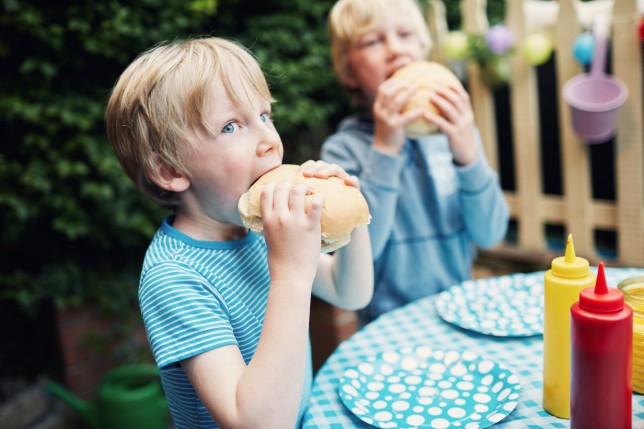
point(422, 387)
point(506, 306)
point(418, 323)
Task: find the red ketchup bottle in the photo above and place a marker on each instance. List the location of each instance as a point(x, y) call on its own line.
point(601, 336)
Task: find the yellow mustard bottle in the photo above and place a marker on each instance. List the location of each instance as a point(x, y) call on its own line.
point(568, 275)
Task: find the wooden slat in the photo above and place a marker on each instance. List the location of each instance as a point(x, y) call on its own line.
point(604, 213)
point(437, 23)
point(474, 20)
point(525, 136)
point(574, 153)
point(554, 211)
point(627, 66)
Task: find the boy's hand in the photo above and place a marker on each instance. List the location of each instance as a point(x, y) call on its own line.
point(292, 234)
point(457, 122)
point(322, 170)
point(389, 133)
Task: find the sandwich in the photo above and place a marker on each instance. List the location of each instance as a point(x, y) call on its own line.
point(345, 208)
point(428, 77)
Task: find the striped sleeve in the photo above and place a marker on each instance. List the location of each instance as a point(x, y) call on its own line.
point(183, 315)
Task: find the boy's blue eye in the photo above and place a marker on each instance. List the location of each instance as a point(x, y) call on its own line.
point(370, 42)
point(265, 117)
point(230, 128)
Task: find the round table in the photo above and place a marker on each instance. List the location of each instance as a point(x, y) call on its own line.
point(419, 324)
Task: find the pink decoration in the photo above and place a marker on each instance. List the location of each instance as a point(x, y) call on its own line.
point(499, 39)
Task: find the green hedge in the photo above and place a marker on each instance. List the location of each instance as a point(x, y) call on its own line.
point(73, 228)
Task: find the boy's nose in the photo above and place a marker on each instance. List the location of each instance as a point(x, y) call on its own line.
point(394, 45)
point(270, 141)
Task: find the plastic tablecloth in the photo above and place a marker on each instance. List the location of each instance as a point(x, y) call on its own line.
point(418, 324)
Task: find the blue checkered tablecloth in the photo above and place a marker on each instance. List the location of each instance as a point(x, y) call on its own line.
point(418, 324)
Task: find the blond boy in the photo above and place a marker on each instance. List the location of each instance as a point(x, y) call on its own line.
point(226, 311)
point(433, 199)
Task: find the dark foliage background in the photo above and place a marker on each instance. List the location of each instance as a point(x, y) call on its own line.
point(74, 230)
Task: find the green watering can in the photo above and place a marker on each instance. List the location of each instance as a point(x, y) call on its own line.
point(128, 397)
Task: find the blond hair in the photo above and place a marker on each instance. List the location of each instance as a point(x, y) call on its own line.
point(161, 102)
point(349, 19)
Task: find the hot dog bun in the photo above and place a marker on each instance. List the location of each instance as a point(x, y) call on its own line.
point(345, 207)
point(428, 76)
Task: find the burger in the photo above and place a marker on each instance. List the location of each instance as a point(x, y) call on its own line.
point(428, 76)
point(345, 208)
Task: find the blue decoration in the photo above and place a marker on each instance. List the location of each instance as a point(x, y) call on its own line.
point(583, 48)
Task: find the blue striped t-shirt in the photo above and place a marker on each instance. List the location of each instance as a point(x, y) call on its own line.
point(196, 296)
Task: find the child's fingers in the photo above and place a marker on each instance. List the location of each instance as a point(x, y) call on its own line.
point(329, 170)
point(391, 97)
point(448, 108)
point(307, 165)
point(412, 115)
point(266, 198)
point(453, 98)
point(315, 210)
point(296, 197)
point(323, 170)
point(353, 181)
point(398, 100)
point(310, 167)
point(392, 87)
point(281, 195)
point(460, 92)
point(438, 120)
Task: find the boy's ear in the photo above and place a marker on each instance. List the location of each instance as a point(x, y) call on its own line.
point(168, 177)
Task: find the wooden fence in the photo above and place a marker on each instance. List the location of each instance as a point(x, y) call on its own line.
point(533, 206)
point(574, 209)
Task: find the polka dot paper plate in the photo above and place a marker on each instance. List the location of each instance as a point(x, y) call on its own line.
point(427, 388)
point(506, 306)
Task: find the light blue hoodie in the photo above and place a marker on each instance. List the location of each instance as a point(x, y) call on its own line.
point(428, 214)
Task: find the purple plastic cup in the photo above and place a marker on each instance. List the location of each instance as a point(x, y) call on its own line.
point(595, 97)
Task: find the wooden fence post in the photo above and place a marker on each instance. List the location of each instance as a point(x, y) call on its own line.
point(526, 134)
point(475, 21)
point(627, 65)
point(575, 157)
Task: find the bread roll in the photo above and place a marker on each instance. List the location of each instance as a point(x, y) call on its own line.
point(428, 77)
point(344, 209)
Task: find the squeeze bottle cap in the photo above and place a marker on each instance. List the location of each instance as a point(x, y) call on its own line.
point(570, 265)
point(601, 298)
